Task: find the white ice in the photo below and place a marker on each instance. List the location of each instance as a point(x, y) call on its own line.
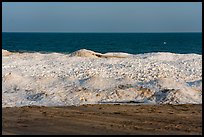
point(87, 77)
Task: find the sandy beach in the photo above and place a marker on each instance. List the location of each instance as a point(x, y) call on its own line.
point(104, 119)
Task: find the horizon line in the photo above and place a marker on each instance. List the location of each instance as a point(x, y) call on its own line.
point(100, 32)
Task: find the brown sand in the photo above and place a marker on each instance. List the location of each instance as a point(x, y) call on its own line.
point(104, 119)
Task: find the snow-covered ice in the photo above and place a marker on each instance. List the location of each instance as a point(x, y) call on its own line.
point(87, 77)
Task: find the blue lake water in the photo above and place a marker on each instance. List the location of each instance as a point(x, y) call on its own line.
point(134, 43)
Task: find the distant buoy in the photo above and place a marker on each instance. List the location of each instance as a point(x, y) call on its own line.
point(164, 42)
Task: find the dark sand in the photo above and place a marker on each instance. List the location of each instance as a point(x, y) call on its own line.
point(104, 119)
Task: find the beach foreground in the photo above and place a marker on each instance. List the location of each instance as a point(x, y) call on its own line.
point(104, 119)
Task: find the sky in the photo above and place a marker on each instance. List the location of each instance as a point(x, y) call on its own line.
point(102, 17)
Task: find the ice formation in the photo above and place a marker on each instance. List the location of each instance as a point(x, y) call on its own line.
point(87, 77)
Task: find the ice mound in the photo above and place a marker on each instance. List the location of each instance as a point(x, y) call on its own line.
point(98, 82)
point(169, 56)
point(92, 54)
point(83, 77)
point(85, 53)
point(170, 91)
point(6, 53)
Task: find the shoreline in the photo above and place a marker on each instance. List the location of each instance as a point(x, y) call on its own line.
point(68, 53)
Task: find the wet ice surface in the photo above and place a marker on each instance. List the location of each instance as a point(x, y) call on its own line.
point(91, 78)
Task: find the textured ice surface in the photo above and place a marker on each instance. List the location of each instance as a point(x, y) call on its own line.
point(84, 77)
